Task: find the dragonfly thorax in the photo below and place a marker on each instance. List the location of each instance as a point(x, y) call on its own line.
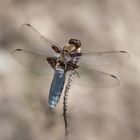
point(68, 48)
point(68, 58)
point(64, 57)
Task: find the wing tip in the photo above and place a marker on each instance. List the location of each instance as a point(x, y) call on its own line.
point(117, 81)
point(14, 50)
point(25, 24)
point(18, 49)
point(28, 24)
point(126, 53)
point(114, 76)
point(123, 51)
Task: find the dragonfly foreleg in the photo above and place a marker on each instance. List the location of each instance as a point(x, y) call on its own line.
point(56, 49)
point(52, 62)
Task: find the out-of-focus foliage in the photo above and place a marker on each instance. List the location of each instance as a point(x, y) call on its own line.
point(101, 114)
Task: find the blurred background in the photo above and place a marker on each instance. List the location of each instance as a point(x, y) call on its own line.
point(100, 114)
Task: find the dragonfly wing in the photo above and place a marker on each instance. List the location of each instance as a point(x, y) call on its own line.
point(35, 41)
point(95, 79)
point(103, 58)
point(33, 61)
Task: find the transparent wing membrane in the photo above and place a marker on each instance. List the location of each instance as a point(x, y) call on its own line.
point(35, 41)
point(103, 58)
point(95, 79)
point(33, 61)
point(35, 49)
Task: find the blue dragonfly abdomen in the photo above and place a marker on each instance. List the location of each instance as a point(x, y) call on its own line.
point(56, 87)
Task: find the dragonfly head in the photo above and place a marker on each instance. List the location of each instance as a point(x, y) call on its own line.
point(75, 42)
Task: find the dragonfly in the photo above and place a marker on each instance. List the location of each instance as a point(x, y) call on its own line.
point(42, 55)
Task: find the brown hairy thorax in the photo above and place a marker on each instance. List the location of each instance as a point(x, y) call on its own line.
point(73, 47)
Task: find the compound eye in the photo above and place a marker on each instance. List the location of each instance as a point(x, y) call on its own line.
point(76, 42)
point(79, 43)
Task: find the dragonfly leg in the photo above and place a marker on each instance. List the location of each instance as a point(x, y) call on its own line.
point(71, 66)
point(52, 62)
point(56, 49)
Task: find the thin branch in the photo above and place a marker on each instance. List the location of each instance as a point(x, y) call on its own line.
point(65, 104)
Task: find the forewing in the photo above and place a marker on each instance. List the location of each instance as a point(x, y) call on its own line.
point(95, 79)
point(35, 41)
point(103, 58)
point(34, 62)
